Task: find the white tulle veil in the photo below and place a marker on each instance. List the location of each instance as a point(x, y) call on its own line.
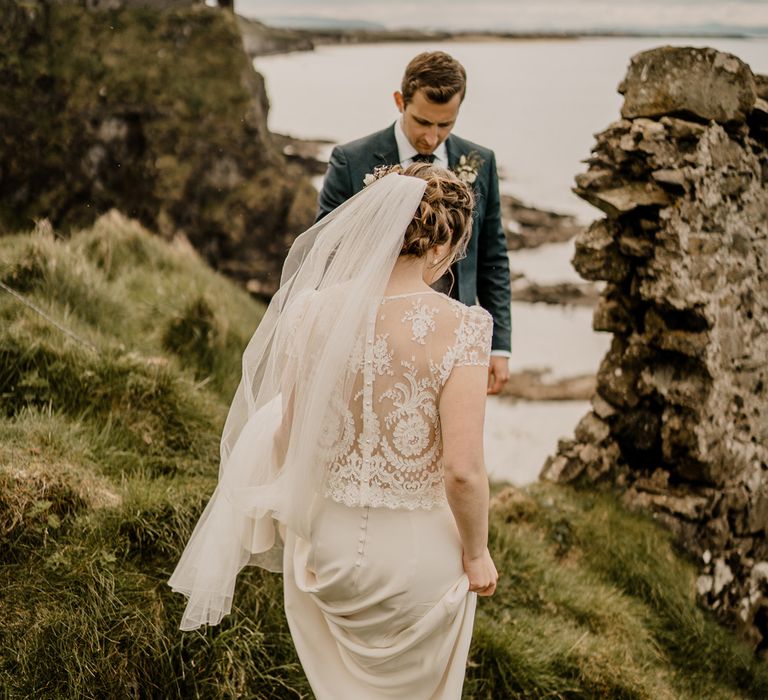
point(295, 370)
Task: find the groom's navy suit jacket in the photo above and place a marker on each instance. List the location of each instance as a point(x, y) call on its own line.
point(483, 276)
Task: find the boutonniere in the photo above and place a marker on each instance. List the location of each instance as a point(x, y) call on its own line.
point(467, 167)
point(379, 172)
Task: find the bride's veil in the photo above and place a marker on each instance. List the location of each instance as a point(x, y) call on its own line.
point(295, 370)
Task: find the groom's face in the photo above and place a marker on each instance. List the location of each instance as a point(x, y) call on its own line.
point(425, 123)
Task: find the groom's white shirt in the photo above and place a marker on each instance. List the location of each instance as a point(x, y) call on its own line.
point(406, 152)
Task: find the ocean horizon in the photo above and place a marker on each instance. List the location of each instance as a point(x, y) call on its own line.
point(655, 17)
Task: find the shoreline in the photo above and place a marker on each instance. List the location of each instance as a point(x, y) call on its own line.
point(260, 39)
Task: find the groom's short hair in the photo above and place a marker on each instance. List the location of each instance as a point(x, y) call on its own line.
point(440, 76)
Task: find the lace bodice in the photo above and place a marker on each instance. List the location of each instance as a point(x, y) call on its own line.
point(383, 448)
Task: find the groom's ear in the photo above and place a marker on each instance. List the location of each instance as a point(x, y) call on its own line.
point(399, 101)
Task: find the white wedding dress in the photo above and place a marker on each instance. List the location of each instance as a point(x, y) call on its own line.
point(376, 597)
point(333, 440)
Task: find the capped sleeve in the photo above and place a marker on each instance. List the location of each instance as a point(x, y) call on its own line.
point(473, 338)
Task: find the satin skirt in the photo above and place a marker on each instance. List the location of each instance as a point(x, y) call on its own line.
point(378, 603)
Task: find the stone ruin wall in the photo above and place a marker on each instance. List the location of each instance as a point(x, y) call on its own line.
point(680, 418)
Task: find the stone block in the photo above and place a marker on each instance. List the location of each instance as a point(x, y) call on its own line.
point(676, 384)
point(705, 243)
point(591, 429)
point(759, 116)
point(680, 443)
point(597, 254)
point(682, 129)
point(636, 246)
point(617, 382)
point(687, 343)
point(704, 585)
point(703, 82)
point(717, 533)
point(598, 468)
point(626, 198)
point(657, 482)
point(761, 85)
point(686, 506)
point(722, 576)
point(671, 177)
point(759, 576)
point(601, 407)
point(595, 178)
point(612, 316)
point(638, 430)
point(757, 517)
point(718, 150)
point(561, 469)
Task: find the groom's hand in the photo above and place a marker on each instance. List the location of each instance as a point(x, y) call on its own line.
point(498, 373)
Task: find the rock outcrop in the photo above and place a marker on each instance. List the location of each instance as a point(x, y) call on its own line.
point(528, 227)
point(156, 112)
point(680, 415)
point(560, 293)
point(261, 40)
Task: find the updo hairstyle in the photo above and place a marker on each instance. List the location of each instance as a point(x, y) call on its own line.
point(444, 214)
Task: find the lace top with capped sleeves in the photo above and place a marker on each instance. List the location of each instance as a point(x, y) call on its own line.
point(383, 448)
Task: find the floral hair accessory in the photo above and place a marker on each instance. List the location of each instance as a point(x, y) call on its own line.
point(467, 167)
point(379, 172)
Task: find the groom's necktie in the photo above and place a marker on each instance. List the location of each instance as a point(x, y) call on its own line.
point(422, 158)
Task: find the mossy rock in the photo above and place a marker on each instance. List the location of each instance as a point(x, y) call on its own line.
point(159, 114)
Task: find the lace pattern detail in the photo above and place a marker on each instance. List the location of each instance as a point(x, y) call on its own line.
point(382, 355)
point(384, 449)
point(422, 321)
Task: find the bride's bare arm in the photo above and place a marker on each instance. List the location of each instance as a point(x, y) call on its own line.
point(462, 414)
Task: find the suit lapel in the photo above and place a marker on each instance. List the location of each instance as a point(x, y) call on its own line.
point(453, 151)
point(385, 150)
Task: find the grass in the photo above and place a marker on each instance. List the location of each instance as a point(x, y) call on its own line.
point(108, 457)
point(596, 602)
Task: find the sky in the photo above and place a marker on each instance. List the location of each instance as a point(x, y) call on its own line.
point(664, 16)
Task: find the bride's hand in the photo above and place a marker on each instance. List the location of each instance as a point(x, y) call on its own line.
point(481, 572)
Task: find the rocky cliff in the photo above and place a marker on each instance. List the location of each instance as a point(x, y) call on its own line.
point(261, 40)
point(680, 416)
point(156, 112)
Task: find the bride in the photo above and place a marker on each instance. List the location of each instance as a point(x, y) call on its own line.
point(351, 459)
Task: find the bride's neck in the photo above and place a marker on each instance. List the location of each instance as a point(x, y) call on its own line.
point(407, 276)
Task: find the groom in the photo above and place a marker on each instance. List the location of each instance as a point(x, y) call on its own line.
point(431, 94)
